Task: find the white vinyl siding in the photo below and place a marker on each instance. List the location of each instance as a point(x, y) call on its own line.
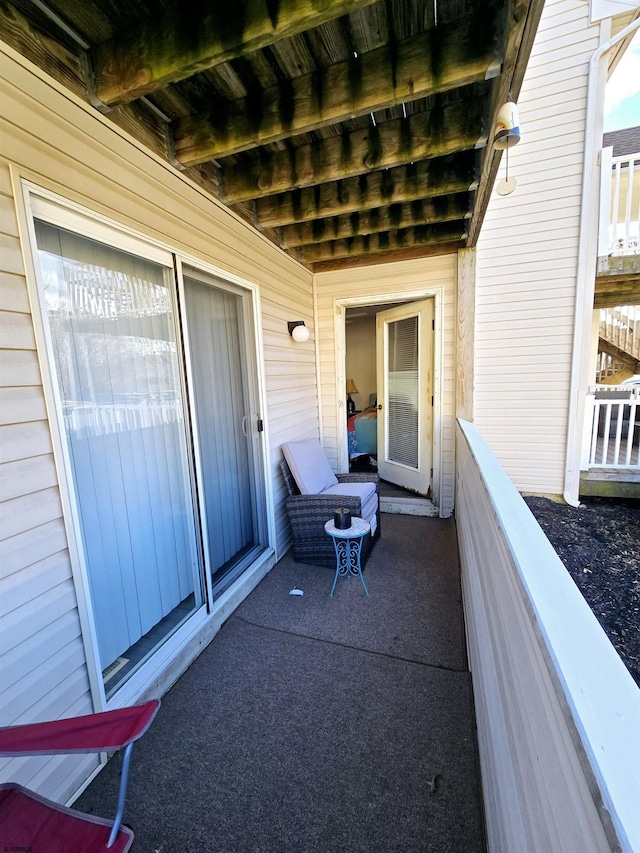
point(557, 712)
point(42, 661)
point(63, 145)
point(375, 282)
point(527, 261)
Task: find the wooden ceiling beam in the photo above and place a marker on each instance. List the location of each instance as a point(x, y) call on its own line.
point(612, 291)
point(191, 37)
point(392, 256)
point(371, 221)
point(441, 131)
point(374, 244)
point(445, 58)
point(437, 177)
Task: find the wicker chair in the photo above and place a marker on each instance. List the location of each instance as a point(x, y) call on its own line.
point(308, 514)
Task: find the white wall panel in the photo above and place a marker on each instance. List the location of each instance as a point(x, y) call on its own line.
point(527, 260)
point(557, 712)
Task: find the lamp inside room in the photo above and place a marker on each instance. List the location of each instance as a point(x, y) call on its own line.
point(351, 389)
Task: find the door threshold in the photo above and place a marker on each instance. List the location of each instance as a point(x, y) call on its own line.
point(408, 506)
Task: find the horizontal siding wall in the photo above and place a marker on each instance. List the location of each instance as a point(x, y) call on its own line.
point(557, 712)
point(66, 147)
point(527, 261)
point(42, 662)
point(374, 283)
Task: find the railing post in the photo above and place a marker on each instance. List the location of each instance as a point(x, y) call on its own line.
point(606, 166)
point(587, 433)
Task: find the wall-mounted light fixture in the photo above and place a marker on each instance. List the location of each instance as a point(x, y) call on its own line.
point(298, 331)
point(506, 135)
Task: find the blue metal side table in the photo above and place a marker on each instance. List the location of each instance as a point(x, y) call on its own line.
point(348, 545)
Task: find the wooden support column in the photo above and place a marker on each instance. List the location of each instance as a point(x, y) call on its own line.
point(465, 337)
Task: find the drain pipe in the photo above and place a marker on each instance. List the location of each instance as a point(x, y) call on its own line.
point(586, 271)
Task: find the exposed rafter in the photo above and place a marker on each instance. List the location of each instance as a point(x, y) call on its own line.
point(371, 244)
point(443, 130)
point(375, 220)
point(191, 37)
point(452, 56)
point(443, 175)
point(349, 132)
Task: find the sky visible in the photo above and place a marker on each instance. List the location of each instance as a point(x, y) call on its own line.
point(622, 98)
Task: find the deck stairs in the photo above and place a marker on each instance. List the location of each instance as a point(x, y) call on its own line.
point(610, 463)
point(618, 344)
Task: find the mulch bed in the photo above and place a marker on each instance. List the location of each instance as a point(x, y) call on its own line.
point(599, 543)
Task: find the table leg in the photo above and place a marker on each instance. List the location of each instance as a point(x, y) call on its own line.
point(348, 553)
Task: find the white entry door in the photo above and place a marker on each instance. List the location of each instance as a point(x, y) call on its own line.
point(404, 349)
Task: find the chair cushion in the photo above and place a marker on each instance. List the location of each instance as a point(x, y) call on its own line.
point(360, 490)
point(368, 499)
point(309, 465)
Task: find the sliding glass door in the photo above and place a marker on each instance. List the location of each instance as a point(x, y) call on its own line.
point(166, 495)
point(111, 319)
point(226, 421)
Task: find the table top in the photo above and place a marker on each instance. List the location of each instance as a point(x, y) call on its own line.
point(359, 527)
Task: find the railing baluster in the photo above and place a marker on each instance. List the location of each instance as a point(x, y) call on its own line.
point(616, 204)
point(607, 420)
point(627, 232)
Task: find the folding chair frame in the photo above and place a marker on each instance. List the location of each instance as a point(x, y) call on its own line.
point(107, 731)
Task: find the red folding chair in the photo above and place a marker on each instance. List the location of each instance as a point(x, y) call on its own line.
point(31, 822)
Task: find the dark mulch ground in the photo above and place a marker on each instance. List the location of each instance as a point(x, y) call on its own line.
point(599, 543)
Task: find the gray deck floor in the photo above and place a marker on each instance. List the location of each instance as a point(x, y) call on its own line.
point(320, 724)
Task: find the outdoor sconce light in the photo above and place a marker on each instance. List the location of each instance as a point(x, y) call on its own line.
point(506, 135)
point(298, 331)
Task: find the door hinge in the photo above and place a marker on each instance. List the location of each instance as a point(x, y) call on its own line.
point(260, 425)
point(433, 325)
point(432, 399)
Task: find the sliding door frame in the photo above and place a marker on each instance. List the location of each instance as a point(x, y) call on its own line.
point(87, 223)
point(250, 329)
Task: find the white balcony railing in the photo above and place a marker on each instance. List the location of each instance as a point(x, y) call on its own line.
point(619, 204)
point(558, 713)
point(612, 428)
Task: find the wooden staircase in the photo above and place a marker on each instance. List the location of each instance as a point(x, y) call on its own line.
point(618, 344)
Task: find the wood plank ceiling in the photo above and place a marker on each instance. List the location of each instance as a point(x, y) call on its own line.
point(346, 131)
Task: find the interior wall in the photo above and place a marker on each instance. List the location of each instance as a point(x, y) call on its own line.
point(360, 358)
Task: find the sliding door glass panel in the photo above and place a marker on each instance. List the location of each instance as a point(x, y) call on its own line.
point(223, 391)
point(403, 392)
point(111, 320)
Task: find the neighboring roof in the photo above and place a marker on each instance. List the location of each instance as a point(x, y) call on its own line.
point(345, 131)
point(626, 141)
